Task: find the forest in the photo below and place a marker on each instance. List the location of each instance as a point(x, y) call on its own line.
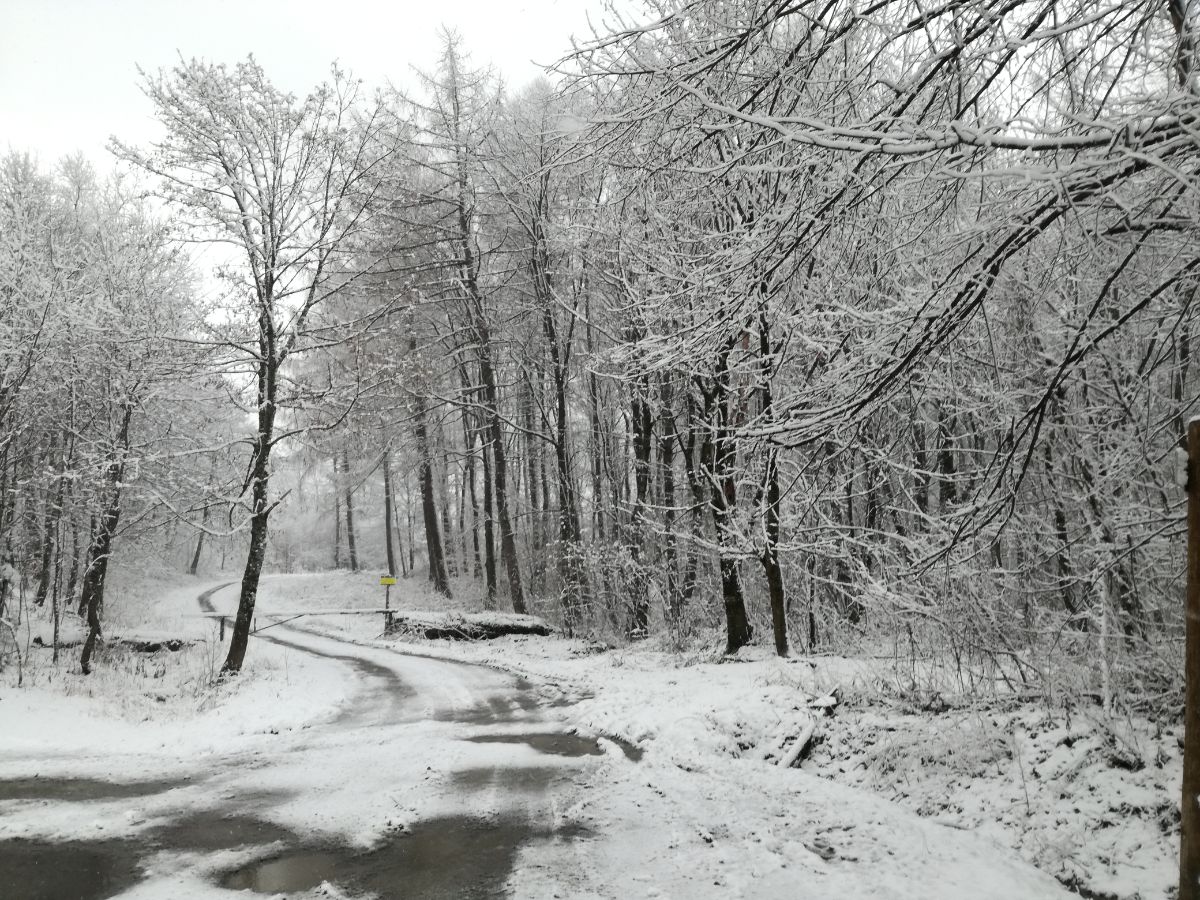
point(841, 328)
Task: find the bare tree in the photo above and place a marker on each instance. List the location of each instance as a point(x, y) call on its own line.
point(288, 185)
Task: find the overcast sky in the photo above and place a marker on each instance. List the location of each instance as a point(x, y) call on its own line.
point(68, 76)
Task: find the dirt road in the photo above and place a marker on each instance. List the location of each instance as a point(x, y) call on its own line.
point(435, 779)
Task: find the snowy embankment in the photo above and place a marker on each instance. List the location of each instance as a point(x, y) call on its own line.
point(1090, 802)
point(152, 711)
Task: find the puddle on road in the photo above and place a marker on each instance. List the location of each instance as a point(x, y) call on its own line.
point(442, 858)
point(93, 870)
point(213, 830)
point(558, 743)
point(82, 789)
point(529, 780)
point(498, 710)
point(40, 870)
point(298, 871)
point(561, 744)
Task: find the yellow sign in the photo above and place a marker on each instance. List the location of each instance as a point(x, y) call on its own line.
point(386, 579)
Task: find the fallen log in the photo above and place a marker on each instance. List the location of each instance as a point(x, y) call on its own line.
point(467, 627)
point(133, 645)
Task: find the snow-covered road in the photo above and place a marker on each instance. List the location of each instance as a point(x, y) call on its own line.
point(429, 778)
point(363, 769)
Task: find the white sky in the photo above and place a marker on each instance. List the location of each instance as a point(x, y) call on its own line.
point(68, 77)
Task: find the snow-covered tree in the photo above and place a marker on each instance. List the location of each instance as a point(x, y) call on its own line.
point(286, 186)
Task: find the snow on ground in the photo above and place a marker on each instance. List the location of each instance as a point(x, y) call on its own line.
point(1093, 803)
point(401, 751)
point(1091, 800)
point(164, 707)
point(1066, 795)
point(707, 811)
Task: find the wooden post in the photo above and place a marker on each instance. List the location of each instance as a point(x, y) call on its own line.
point(1189, 838)
point(222, 629)
point(387, 581)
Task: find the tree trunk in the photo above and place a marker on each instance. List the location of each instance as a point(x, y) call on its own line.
point(433, 538)
point(849, 602)
point(718, 456)
point(489, 529)
point(1179, 377)
point(921, 465)
point(532, 486)
point(93, 526)
point(405, 567)
point(49, 526)
point(337, 515)
point(55, 601)
point(692, 469)
point(260, 476)
point(412, 542)
point(101, 548)
point(643, 427)
point(476, 553)
point(667, 437)
point(597, 447)
point(569, 530)
point(947, 493)
point(387, 510)
point(448, 542)
point(192, 569)
point(462, 548)
point(252, 573)
point(468, 271)
point(73, 572)
point(770, 555)
point(508, 543)
point(470, 439)
point(93, 580)
point(1189, 855)
point(348, 487)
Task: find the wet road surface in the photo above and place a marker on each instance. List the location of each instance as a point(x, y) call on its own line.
point(406, 732)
